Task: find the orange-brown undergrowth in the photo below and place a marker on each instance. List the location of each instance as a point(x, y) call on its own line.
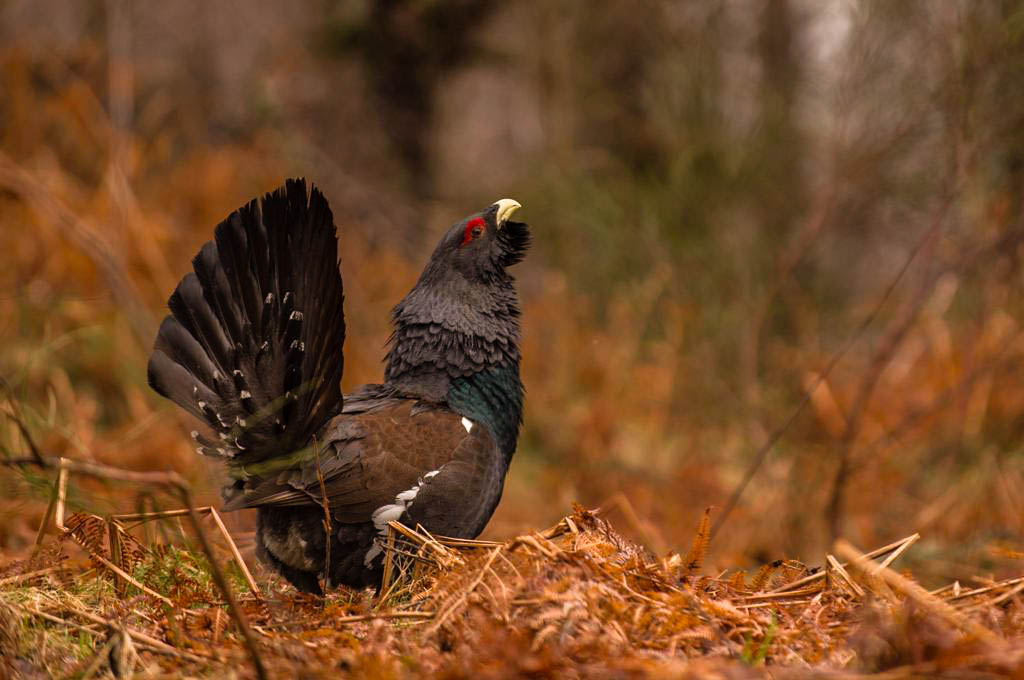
point(572, 601)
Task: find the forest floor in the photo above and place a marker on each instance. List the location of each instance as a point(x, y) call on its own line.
point(575, 600)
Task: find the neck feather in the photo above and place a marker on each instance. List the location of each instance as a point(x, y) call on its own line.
point(459, 346)
point(493, 397)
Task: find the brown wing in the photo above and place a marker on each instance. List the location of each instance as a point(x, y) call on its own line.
point(366, 460)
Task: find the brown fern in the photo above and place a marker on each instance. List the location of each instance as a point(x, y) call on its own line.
point(695, 558)
point(763, 574)
point(126, 549)
point(738, 580)
point(90, 533)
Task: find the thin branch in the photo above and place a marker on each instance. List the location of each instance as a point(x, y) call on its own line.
point(762, 453)
point(325, 504)
point(882, 356)
point(250, 581)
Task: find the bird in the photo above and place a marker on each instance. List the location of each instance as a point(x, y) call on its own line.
point(253, 347)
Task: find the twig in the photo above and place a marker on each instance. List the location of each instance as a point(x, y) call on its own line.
point(920, 596)
point(62, 495)
point(1007, 595)
point(982, 591)
point(129, 578)
point(884, 564)
point(139, 636)
point(878, 552)
point(218, 576)
point(424, 539)
point(833, 563)
point(325, 504)
point(389, 564)
point(776, 596)
point(235, 553)
point(870, 377)
point(384, 615)
point(141, 517)
point(29, 575)
point(51, 507)
point(54, 619)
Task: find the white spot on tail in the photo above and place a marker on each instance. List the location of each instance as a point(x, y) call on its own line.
point(245, 394)
point(270, 298)
point(295, 316)
point(468, 424)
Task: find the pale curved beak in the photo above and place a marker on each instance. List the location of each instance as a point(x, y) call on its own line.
point(506, 207)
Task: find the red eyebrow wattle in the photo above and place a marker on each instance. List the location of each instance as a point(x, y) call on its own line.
point(475, 222)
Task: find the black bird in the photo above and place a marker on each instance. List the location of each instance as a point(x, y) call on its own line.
point(253, 347)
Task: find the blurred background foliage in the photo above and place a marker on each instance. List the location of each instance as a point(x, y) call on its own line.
point(723, 194)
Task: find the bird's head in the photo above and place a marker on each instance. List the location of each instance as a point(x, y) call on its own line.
point(485, 243)
point(462, 316)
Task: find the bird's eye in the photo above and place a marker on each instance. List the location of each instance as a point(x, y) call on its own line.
point(474, 228)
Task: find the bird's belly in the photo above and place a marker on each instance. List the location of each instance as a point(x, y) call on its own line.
point(462, 514)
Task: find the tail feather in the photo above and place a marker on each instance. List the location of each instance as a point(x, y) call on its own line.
point(253, 344)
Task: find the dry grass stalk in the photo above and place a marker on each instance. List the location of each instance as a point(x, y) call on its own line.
point(138, 636)
point(959, 595)
point(919, 595)
point(28, 576)
point(834, 566)
point(896, 546)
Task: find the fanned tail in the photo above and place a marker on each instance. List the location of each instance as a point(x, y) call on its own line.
point(253, 344)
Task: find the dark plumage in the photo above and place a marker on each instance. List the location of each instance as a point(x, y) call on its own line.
point(253, 347)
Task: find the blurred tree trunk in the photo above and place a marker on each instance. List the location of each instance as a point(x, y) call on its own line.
point(407, 49)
